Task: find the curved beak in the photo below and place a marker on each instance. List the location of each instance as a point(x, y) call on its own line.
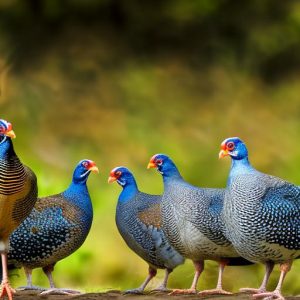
point(94, 169)
point(111, 179)
point(10, 134)
point(223, 153)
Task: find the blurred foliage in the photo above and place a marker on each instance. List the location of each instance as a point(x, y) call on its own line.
point(118, 81)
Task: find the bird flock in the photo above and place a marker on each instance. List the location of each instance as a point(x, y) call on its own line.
point(254, 219)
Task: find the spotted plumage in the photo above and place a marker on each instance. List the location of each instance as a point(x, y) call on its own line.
point(18, 194)
point(191, 219)
point(138, 221)
point(261, 214)
point(56, 227)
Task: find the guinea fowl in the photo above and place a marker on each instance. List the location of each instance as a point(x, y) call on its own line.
point(138, 221)
point(57, 226)
point(18, 194)
point(261, 215)
point(192, 223)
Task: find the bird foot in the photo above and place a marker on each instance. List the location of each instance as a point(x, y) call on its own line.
point(7, 290)
point(183, 292)
point(137, 291)
point(252, 290)
point(214, 292)
point(160, 289)
point(31, 287)
point(56, 291)
point(269, 295)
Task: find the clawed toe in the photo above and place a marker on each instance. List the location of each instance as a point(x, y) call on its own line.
point(134, 292)
point(252, 291)
point(214, 292)
point(7, 290)
point(183, 292)
point(31, 288)
point(60, 292)
point(269, 296)
point(160, 290)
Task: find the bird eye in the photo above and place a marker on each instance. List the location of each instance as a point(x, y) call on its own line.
point(159, 162)
point(230, 146)
point(118, 173)
point(85, 164)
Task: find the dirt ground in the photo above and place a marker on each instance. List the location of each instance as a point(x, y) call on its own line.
point(117, 295)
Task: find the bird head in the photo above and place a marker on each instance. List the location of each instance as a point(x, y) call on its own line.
point(163, 164)
point(6, 130)
point(233, 147)
point(83, 170)
point(121, 175)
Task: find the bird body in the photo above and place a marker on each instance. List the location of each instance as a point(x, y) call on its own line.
point(191, 219)
point(261, 215)
point(18, 194)
point(266, 226)
point(138, 221)
point(57, 226)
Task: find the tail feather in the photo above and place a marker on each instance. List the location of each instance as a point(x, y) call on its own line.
point(171, 257)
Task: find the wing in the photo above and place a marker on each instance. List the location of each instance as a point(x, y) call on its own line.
point(25, 203)
point(140, 228)
point(44, 233)
point(280, 213)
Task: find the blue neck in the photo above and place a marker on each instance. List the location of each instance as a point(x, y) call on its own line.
point(78, 194)
point(170, 175)
point(239, 167)
point(6, 148)
point(128, 192)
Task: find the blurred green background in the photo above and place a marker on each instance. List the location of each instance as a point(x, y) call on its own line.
point(118, 81)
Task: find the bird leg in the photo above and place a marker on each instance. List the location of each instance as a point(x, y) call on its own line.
point(269, 268)
point(199, 267)
point(48, 271)
point(163, 286)
point(276, 294)
point(53, 290)
point(151, 273)
point(28, 273)
point(218, 290)
point(6, 289)
point(29, 286)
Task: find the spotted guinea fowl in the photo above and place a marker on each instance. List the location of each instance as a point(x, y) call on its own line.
point(18, 194)
point(262, 216)
point(191, 221)
point(138, 221)
point(56, 227)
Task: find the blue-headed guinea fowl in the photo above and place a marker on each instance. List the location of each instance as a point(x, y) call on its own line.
point(138, 221)
point(261, 215)
point(191, 220)
point(57, 226)
point(18, 194)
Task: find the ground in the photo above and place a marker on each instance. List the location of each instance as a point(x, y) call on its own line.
point(117, 295)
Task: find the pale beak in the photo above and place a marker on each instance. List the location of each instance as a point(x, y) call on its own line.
point(94, 169)
point(151, 165)
point(111, 179)
point(223, 153)
point(10, 134)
